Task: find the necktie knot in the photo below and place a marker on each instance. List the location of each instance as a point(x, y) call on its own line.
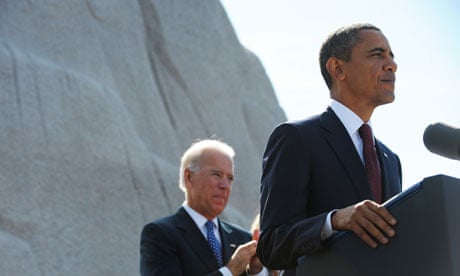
point(365, 132)
point(213, 242)
point(209, 225)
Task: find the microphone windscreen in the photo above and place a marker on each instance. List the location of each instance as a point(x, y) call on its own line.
point(442, 139)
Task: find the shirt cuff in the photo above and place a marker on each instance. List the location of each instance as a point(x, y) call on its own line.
point(263, 272)
point(327, 231)
point(225, 271)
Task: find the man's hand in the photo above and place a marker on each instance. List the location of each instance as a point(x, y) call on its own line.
point(243, 257)
point(255, 265)
point(368, 220)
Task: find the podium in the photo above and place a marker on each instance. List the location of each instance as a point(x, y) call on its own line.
point(427, 241)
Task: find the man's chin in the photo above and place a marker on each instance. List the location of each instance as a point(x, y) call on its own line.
point(388, 98)
point(220, 204)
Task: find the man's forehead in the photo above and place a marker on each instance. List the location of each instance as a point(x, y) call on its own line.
point(372, 35)
point(372, 40)
point(221, 168)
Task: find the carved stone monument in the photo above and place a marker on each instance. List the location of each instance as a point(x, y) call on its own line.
point(98, 100)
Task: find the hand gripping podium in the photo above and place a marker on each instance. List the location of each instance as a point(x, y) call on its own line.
point(427, 241)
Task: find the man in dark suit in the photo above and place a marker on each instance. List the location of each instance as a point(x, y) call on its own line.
point(194, 241)
point(316, 176)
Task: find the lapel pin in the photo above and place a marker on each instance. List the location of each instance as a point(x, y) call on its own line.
point(232, 245)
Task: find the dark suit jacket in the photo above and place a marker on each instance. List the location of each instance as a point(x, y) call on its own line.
point(310, 168)
point(175, 246)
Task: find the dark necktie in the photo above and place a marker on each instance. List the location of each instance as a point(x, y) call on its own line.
point(213, 243)
point(370, 162)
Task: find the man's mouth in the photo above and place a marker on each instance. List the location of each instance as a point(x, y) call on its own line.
point(391, 79)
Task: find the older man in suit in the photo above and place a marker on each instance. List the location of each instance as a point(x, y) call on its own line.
point(194, 241)
point(328, 173)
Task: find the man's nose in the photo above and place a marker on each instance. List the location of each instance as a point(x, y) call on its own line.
point(391, 66)
point(225, 183)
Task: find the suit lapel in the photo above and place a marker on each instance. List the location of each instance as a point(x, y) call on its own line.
point(194, 237)
point(346, 152)
point(228, 244)
point(389, 188)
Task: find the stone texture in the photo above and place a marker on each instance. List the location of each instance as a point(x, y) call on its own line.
point(98, 101)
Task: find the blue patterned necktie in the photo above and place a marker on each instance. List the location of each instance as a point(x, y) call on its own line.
point(213, 243)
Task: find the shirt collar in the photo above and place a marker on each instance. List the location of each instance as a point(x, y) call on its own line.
point(349, 119)
point(198, 218)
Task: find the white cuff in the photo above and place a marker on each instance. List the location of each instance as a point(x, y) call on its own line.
point(225, 271)
point(327, 231)
point(263, 272)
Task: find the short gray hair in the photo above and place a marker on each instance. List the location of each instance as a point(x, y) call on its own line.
point(192, 156)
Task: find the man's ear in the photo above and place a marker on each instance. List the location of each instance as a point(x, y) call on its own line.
point(188, 174)
point(335, 68)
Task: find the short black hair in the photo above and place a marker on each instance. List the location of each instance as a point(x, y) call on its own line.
point(340, 45)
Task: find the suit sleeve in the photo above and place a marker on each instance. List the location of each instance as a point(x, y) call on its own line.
point(287, 232)
point(159, 254)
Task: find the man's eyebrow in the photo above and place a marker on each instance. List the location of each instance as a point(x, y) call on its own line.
point(380, 50)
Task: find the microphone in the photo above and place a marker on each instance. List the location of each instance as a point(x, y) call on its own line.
point(442, 139)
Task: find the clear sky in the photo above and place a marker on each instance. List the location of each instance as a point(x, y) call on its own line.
point(424, 36)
